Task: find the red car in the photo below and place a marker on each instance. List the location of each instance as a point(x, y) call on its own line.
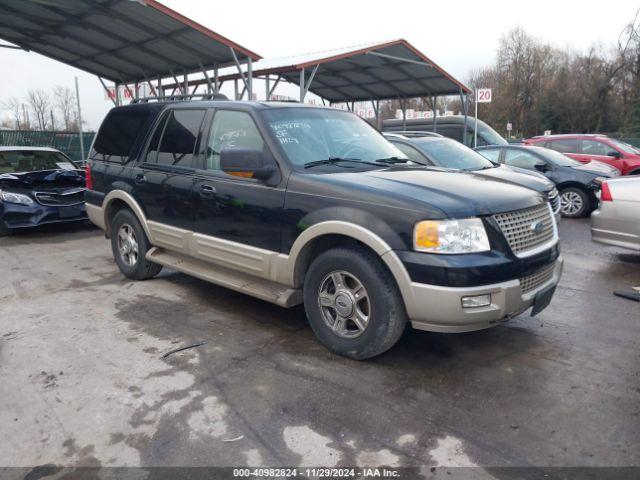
point(586, 148)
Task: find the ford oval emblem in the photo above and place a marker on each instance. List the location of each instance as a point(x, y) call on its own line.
point(537, 227)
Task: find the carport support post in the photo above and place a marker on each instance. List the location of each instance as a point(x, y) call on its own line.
point(475, 121)
point(464, 101)
point(80, 120)
point(235, 88)
point(216, 82)
point(249, 79)
point(302, 85)
point(403, 107)
point(435, 123)
point(266, 87)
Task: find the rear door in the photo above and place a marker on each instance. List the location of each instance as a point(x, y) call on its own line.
point(569, 146)
point(235, 208)
point(165, 177)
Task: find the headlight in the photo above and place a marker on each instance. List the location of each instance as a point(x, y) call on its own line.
point(451, 236)
point(18, 198)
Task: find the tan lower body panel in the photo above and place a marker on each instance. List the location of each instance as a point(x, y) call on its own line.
point(225, 277)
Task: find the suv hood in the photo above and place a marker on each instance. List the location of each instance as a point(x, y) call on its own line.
point(455, 194)
point(519, 176)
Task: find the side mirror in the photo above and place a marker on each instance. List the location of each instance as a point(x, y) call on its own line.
point(614, 154)
point(541, 167)
point(246, 162)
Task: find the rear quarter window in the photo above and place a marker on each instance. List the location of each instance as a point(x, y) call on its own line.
point(121, 134)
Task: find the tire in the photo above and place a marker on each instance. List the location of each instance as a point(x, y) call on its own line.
point(380, 303)
point(574, 202)
point(4, 230)
point(129, 245)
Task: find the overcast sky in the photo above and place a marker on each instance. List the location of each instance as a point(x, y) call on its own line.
point(458, 35)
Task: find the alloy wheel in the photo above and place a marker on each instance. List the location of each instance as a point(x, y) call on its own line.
point(344, 304)
point(571, 203)
point(127, 245)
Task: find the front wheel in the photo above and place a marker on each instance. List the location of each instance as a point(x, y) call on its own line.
point(574, 202)
point(352, 303)
point(4, 230)
point(130, 244)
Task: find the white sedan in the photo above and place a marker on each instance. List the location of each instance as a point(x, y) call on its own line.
point(617, 219)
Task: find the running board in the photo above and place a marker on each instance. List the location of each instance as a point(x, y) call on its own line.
point(240, 282)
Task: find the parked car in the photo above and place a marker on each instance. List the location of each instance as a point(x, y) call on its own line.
point(450, 127)
point(440, 151)
point(38, 186)
point(296, 204)
point(576, 182)
point(617, 219)
point(587, 148)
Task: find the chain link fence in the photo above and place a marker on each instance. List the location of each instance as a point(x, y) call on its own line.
point(66, 142)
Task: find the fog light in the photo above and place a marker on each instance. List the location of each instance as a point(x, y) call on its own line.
point(476, 301)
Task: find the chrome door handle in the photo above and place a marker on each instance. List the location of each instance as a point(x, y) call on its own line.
point(207, 190)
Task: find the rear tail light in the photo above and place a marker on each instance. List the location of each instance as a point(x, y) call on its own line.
point(605, 193)
point(88, 179)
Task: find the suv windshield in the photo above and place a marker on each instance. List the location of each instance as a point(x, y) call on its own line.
point(625, 147)
point(315, 135)
point(17, 161)
point(448, 153)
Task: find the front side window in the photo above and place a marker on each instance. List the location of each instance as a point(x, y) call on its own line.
point(315, 134)
point(491, 154)
point(521, 159)
point(593, 147)
point(179, 138)
point(231, 129)
point(564, 146)
point(18, 161)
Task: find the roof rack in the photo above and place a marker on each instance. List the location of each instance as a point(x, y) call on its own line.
point(412, 133)
point(182, 98)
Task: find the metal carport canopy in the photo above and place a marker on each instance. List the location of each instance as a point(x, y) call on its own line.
point(125, 41)
point(376, 71)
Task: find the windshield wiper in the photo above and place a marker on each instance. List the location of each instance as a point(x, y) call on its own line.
point(335, 160)
point(392, 160)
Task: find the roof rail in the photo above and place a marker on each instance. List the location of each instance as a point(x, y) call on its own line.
point(182, 98)
point(412, 133)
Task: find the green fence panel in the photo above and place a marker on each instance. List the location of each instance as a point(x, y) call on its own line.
point(66, 142)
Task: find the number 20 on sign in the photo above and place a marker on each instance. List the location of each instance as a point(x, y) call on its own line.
point(483, 95)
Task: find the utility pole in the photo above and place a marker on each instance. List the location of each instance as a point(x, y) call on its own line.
point(80, 120)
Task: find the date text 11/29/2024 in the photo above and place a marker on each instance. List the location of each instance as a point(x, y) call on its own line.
point(320, 472)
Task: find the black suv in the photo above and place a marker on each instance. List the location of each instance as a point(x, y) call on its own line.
point(298, 204)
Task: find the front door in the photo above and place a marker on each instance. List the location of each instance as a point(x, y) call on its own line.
point(235, 209)
point(595, 150)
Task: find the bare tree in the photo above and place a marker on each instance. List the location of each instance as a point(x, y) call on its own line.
point(13, 105)
point(64, 100)
point(40, 103)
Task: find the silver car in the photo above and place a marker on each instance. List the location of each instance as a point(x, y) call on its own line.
point(617, 219)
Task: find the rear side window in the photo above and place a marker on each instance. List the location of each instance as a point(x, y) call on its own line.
point(120, 134)
point(564, 146)
point(592, 147)
point(179, 138)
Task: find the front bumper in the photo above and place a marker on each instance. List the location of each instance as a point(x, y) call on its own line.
point(26, 216)
point(439, 309)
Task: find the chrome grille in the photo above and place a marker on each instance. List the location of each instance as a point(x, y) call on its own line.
point(554, 200)
point(533, 281)
point(55, 199)
point(528, 231)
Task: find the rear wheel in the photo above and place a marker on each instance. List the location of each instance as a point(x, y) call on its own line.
point(574, 202)
point(352, 303)
point(130, 244)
